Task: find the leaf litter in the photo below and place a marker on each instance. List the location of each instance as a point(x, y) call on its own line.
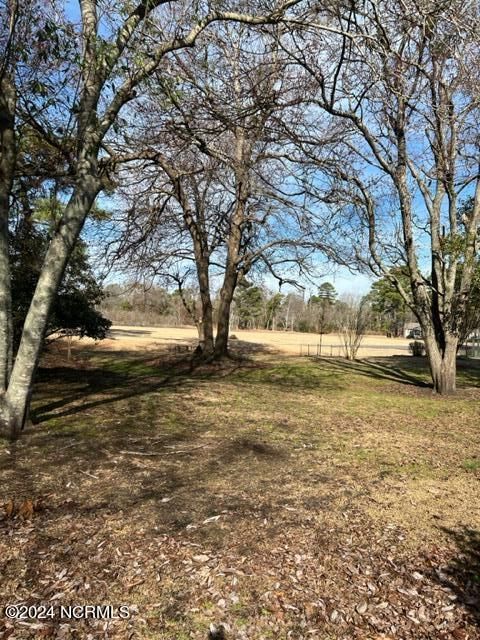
point(240, 540)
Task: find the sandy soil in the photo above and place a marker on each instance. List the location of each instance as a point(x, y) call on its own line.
point(139, 338)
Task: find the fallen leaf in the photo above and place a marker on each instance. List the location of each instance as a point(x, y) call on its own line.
point(362, 607)
point(212, 519)
point(25, 510)
point(9, 508)
point(201, 557)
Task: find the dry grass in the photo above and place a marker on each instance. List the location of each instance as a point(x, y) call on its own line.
point(141, 338)
point(284, 497)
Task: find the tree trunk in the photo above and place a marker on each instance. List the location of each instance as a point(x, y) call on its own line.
point(443, 363)
point(14, 404)
point(7, 168)
point(206, 337)
point(232, 272)
point(223, 323)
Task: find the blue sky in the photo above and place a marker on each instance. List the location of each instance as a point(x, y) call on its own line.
point(345, 282)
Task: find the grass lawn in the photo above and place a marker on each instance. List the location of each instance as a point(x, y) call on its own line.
point(278, 496)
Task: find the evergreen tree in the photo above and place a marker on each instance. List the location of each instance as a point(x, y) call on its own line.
point(74, 310)
point(321, 305)
point(387, 301)
point(250, 305)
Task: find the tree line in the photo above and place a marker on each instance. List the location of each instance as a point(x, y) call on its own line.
point(238, 139)
point(256, 307)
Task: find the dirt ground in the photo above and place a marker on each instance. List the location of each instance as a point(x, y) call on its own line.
point(269, 497)
point(139, 338)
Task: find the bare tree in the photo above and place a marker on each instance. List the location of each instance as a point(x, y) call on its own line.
point(76, 112)
point(353, 316)
point(399, 80)
point(173, 223)
point(211, 154)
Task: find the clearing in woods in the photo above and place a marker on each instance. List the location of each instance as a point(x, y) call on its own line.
point(291, 342)
point(283, 497)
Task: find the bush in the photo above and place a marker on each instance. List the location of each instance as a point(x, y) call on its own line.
point(303, 326)
point(417, 348)
point(74, 310)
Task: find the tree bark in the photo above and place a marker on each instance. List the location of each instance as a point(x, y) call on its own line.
point(223, 322)
point(7, 168)
point(442, 361)
point(14, 404)
point(232, 271)
point(206, 339)
point(231, 277)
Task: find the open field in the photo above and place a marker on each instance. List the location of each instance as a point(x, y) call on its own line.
point(131, 337)
point(283, 497)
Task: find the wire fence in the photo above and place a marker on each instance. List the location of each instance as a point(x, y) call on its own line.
point(318, 350)
point(468, 350)
point(338, 350)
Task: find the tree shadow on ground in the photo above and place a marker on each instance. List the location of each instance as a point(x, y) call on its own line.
point(385, 369)
point(122, 375)
point(462, 573)
point(468, 371)
point(116, 489)
point(242, 348)
point(130, 380)
point(111, 494)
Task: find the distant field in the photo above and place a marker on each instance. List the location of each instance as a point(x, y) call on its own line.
point(139, 338)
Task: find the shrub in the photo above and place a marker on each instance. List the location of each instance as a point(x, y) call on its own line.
point(417, 348)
